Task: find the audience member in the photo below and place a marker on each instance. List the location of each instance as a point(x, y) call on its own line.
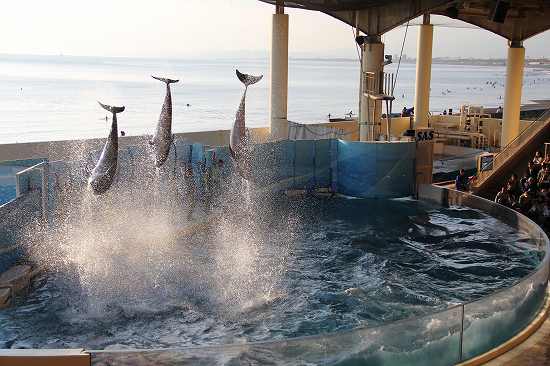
point(503, 197)
point(529, 195)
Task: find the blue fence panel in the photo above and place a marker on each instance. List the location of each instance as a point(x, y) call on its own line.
point(266, 163)
point(322, 163)
point(197, 154)
point(223, 154)
point(356, 168)
point(375, 170)
point(334, 144)
point(286, 164)
point(304, 164)
point(29, 179)
point(395, 169)
point(283, 157)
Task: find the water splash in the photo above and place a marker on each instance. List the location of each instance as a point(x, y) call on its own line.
point(134, 245)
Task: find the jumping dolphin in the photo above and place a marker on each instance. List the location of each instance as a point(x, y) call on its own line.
point(237, 139)
point(102, 176)
point(162, 140)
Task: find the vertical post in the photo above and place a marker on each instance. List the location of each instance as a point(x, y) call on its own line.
point(388, 120)
point(372, 57)
point(17, 185)
point(460, 348)
point(512, 94)
point(423, 73)
point(278, 97)
point(45, 190)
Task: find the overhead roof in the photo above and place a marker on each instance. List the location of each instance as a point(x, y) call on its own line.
point(523, 18)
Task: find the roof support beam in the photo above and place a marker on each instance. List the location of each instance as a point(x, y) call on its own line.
point(524, 18)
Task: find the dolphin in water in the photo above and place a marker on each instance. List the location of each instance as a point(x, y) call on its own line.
point(104, 172)
point(162, 140)
point(237, 139)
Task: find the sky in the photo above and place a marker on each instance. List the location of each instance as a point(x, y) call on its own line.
point(211, 28)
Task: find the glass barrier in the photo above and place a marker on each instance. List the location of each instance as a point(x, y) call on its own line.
point(433, 339)
point(493, 320)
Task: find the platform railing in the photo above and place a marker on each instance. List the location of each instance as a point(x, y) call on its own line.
point(514, 146)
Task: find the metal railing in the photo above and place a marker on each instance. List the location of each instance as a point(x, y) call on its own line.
point(378, 83)
point(514, 146)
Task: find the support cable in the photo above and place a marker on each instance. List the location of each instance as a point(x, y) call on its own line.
point(400, 56)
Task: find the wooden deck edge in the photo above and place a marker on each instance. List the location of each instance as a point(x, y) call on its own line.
point(46, 357)
point(514, 341)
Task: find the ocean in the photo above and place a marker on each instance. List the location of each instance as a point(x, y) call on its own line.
point(54, 97)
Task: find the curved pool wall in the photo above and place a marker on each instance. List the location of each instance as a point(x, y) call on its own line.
point(444, 338)
point(447, 337)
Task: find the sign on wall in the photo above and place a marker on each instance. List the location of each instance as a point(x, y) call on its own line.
point(424, 134)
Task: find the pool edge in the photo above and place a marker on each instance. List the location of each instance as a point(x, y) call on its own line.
point(515, 341)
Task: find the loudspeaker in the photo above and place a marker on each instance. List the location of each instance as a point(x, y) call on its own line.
point(498, 15)
point(452, 12)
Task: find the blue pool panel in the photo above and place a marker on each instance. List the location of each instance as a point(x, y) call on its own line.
point(375, 170)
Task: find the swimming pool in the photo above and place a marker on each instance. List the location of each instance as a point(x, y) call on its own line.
point(290, 268)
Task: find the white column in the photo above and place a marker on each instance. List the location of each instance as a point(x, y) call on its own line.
point(372, 55)
point(512, 94)
point(423, 73)
point(278, 95)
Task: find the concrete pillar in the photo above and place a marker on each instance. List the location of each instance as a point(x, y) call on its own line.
point(278, 92)
point(512, 94)
point(372, 56)
point(423, 73)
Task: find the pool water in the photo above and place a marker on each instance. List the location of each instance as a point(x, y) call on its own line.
point(281, 268)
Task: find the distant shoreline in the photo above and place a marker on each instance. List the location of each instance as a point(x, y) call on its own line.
point(542, 63)
point(533, 63)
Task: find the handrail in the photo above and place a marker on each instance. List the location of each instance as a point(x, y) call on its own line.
point(513, 146)
point(532, 124)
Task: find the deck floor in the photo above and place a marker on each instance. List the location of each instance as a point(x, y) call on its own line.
point(534, 351)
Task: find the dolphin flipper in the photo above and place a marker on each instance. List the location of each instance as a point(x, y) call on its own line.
point(111, 109)
point(165, 80)
point(248, 79)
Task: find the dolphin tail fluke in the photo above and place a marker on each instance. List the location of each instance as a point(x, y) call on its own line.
point(248, 79)
point(165, 80)
point(111, 109)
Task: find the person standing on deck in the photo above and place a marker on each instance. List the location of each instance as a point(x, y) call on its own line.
point(461, 181)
